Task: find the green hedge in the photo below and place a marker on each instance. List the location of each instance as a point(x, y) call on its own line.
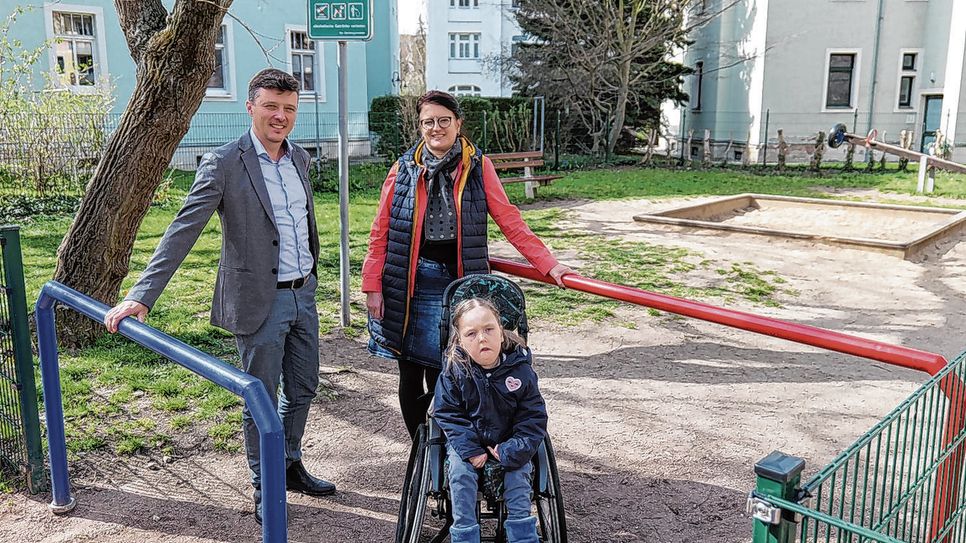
point(498, 125)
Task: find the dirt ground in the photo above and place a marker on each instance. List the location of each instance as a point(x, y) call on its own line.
point(656, 428)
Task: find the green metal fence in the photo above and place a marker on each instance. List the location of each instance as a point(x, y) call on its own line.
point(20, 446)
point(900, 482)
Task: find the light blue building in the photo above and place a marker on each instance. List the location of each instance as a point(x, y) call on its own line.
point(88, 53)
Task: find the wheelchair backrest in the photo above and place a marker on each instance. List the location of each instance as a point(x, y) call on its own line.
point(504, 293)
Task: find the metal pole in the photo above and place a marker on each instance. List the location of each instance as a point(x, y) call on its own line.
point(556, 144)
point(344, 181)
point(533, 135)
point(684, 120)
point(875, 67)
point(318, 137)
point(260, 405)
point(484, 131)
point(778, 476)
point(897, 355)
point(61, 499)
point(764, 154)
point(543, 120)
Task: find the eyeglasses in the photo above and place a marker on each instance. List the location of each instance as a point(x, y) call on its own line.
point(428, 124)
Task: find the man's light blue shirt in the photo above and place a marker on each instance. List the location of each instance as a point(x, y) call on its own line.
point(290, 205)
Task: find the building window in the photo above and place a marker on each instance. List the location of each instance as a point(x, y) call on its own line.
point(464, 3)
point(462, 45)
point(221, 84)
point(302, 56)
point(218, 82)
point(841, 67)
point(75, 41)
point(465, 90)
point(909, 61)
point(698, 84)
point(907, 79)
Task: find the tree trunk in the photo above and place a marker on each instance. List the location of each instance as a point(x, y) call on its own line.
point(620, 112)
point(174, 55)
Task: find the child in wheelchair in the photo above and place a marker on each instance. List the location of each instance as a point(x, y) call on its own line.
point(489, 407)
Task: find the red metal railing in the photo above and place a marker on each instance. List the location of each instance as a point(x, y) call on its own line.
point(897, 355)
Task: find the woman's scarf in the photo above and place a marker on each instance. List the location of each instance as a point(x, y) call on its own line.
point(439, 180)
point(438, 169)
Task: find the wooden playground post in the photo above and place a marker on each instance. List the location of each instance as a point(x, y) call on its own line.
point(706, 156)
point(905, 141)
point(687, 151)
point(882, 159)
point(816, 162)
point(746, 156)
point(782, 150)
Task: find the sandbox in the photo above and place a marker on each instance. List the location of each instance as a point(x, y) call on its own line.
point(904, 231)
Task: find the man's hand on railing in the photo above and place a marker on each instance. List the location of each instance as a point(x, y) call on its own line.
point(124, 309)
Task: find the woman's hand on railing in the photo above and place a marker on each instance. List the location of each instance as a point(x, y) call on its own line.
point(557, 272)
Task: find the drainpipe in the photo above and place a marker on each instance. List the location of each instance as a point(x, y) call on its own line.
point(875, 64)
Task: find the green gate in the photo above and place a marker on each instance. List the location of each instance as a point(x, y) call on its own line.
point(20, 446)
point(900, 482)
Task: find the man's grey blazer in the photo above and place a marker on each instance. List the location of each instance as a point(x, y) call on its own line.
point(229, 180)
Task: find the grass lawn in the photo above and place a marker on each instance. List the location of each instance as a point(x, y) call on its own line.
point(127, 400)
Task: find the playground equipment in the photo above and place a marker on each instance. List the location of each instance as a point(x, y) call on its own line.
point(927, 163)
point(902, 481)
point(910, 464)
point(913, 230)
point(271, 434)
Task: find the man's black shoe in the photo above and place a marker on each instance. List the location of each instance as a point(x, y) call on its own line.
point(258, 505)
point(297, 479)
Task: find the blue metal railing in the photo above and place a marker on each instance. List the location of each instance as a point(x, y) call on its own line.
point(271, 435)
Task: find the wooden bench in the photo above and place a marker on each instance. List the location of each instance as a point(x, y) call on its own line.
point(526, 160)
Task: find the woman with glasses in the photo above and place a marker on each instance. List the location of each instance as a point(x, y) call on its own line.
point(430, 228)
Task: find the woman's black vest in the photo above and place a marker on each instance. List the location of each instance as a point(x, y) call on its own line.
point(402, 214)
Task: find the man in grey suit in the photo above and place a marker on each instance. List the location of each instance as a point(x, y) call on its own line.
point(265, 288)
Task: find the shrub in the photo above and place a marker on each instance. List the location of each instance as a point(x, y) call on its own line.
point(498, 125)
point(51, 140)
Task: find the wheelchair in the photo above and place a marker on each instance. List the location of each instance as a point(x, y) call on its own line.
point(424, 507)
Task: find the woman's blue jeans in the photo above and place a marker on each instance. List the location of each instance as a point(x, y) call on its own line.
point(463, 486)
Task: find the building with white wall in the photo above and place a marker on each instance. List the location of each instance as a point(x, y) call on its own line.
point(465, 41)
point(804, 66)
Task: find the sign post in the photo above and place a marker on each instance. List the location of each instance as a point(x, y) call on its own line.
point(342, 20)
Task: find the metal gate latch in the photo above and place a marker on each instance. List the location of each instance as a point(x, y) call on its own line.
point(761, 510)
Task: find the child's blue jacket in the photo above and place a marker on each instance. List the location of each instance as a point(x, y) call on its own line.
point(501, 407)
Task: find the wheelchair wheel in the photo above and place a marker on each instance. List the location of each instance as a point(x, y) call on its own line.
point(549, 503)
point(413, 466)
point(419, 494)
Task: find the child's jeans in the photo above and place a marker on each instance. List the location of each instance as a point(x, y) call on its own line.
point(463, 485)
